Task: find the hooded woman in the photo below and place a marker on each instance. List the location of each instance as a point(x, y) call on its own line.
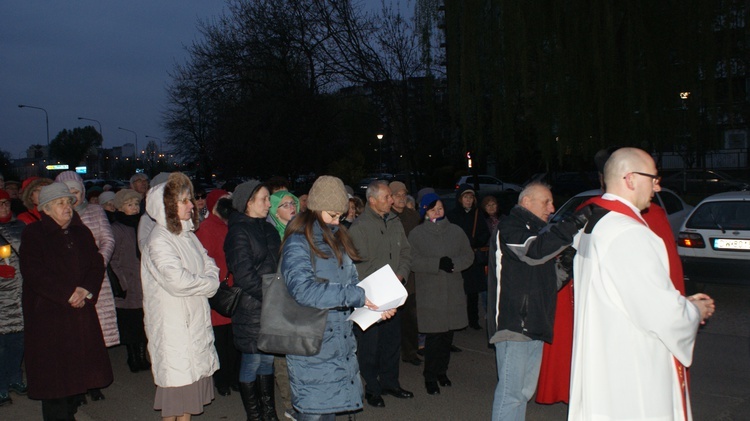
point(30, 189)
point(62, 275)
point(178, 277)
point(284, 207)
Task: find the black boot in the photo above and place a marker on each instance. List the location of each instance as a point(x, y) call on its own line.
point(142, 357)
point(133, 358)
point(250, 401)
point(267, 400)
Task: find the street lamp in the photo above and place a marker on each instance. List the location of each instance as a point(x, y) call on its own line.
point(136, 141)
point(380, 150)
point(97, 122)
point(46, 118)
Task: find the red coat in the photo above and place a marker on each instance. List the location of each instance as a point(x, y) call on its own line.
point(64, 348)
point(211, 234)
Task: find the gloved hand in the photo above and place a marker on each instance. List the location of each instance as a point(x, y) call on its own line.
point(580, 217)
point(566, 259)
point(7, 272)
point(446, 264)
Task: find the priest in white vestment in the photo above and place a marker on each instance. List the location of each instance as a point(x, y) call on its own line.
point(633, 333)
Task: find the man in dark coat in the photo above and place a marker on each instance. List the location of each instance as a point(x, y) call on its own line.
point(467, 216)
point(62, 271)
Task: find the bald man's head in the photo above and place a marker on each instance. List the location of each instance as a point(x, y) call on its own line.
point(631, 174)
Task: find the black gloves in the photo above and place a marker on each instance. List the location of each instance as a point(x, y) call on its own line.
point(580, 217)
point(446, 264)
point(566, 259)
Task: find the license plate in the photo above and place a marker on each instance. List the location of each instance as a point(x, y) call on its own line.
point(731, 244)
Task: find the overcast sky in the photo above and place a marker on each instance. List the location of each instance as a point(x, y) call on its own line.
point(100, 59)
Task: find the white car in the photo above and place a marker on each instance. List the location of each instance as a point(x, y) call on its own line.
point(675, 207)
point(488, 184)
point(714, 241)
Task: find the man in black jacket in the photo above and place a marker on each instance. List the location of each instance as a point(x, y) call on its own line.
point(523, 282)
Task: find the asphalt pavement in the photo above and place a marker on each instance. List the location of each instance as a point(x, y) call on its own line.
point(720, 381)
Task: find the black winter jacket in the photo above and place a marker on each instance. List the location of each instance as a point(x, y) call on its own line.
point(527, 284)
point(252, 250)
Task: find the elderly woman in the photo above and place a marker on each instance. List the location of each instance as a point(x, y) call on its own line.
point(356, 207)
point(490, 209)
point(178, 277)
point(30, 195)
point(95, 219)
point(62, 272)
point(440, 251)
point(126, 266)
point(252, 249)
point(107, 202)
point(316, 248)
point(11, 318)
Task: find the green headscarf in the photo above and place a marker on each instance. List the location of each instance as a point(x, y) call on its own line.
point(275, 201)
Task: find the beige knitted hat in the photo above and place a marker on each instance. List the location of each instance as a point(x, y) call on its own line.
point(328, 194)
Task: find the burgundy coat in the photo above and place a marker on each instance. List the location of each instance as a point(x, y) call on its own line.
point(64, 348)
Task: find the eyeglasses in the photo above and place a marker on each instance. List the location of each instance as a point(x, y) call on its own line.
point(185, 201)
point(655, 179)
point(200, 196)
point(4, 203)
point(287, 205)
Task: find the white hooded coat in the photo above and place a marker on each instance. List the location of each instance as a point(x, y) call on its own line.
point(178, 277)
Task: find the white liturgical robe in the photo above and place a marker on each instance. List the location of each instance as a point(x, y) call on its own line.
point(630, 324)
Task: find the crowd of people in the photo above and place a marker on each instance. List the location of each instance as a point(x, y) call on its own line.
point(137, 268)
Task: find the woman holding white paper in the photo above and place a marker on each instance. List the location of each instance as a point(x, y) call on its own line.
point(439, 252)
point(317, 266)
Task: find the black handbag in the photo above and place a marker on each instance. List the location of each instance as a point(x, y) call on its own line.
point(115, 283)
point(286, 327)
point(226, 298)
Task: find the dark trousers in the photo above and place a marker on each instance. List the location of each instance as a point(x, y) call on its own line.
point(409, 330)
point(437, 354)
point(60, 409)
point(378, 350)
point(228, 373)
point(472, 308)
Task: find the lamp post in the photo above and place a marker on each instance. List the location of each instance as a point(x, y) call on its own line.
point(135, 157)
point(380, 150)
point(46, 118)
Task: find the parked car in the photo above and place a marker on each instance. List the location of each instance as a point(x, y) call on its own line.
point(675, 207)
point(703, 182)
point(488, 184)
point(361, 188)
point(714, 241)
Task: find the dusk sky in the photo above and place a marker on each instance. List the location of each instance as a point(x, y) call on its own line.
point(104, 60)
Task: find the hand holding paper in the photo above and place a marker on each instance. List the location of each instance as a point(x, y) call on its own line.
point(384, 290)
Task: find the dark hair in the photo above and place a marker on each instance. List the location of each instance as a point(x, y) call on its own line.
point(277, 183)
point(224, 208)
point(304, 222)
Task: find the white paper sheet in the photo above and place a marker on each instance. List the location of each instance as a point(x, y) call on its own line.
point(384, 290)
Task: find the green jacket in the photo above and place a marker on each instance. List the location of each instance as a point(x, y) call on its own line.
point(380, 241)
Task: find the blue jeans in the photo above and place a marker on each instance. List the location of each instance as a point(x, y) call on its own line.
point(253, 365)
point(518, 366)
point(11, 355)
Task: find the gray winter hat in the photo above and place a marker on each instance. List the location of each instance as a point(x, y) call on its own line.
point(105, 197)
point(243, 193)
point(54, 191)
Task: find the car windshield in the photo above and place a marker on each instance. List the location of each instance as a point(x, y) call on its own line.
point(721, 215)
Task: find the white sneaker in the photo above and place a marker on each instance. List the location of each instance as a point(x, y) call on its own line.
point(291, 413)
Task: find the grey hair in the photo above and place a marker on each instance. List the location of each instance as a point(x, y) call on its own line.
point(529, 189)
point(374, 188)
